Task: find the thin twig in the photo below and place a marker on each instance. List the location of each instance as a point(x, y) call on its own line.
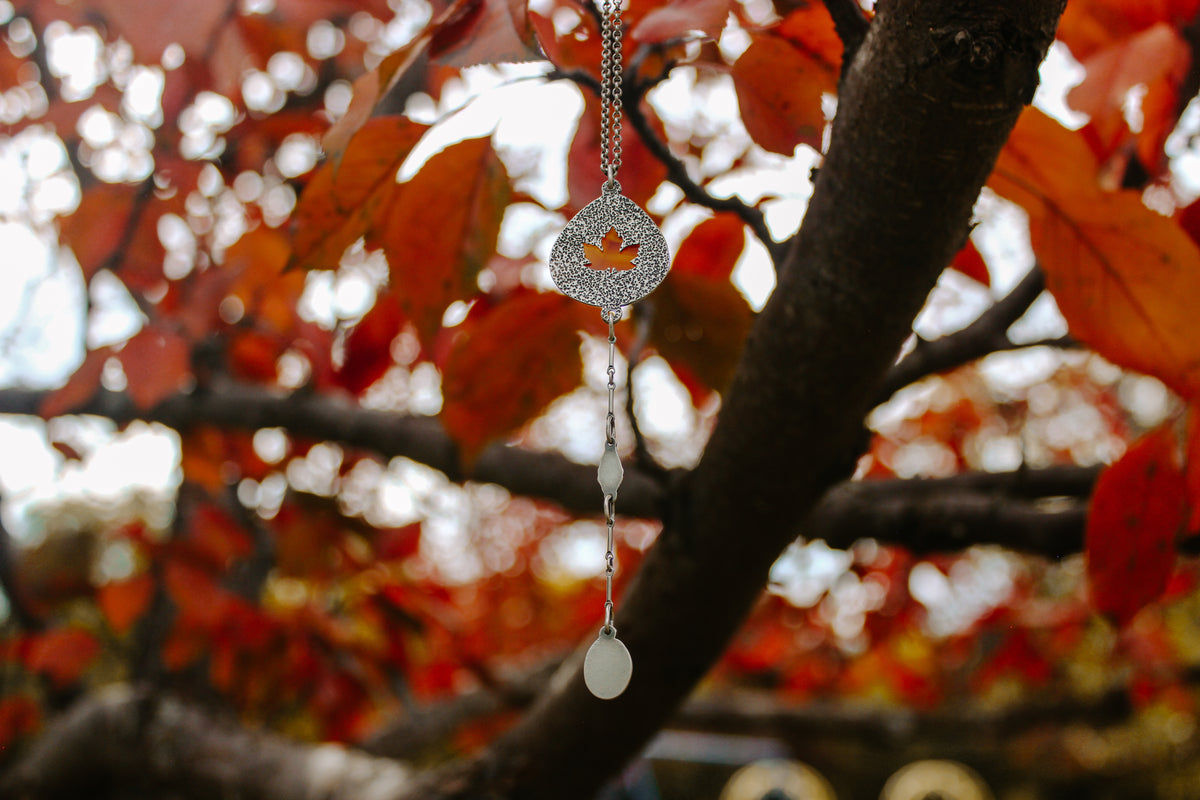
point(988, 334)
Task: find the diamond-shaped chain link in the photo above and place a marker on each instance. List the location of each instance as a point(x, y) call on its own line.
point(610, 88)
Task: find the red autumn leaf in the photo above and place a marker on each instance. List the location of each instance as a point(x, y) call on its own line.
point(80, 387)
point(674, 20)
point(157, 364)
point(1126, 278)
point(19, 717)
point(369, 88)
point(576, 48)
point(612, 254)
point(485, 32)
point(970, 263)
point(442, 229)
point(779, 89)
point(269, 294)
point(215, 538)
point(1156, 58)
point(396, 544)
point(713, 247)
point(96, 228)
point(201, 602)
point(531, 334)
point(124, 602)
point(348, 198)
point(701, 323)
point(641, 173)
point(368, 345)
point(1089, 25)
point(1137, 511)
point(810, 28)
point(61, 654)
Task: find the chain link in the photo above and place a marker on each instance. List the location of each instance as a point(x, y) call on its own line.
point(611, 315)
point(610, 88)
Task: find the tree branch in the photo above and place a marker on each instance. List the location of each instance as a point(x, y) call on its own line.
point(986, 335)
point(243, 406)
point(134, 739)
point(941, 514)
point(677, 174)
point(918, 130)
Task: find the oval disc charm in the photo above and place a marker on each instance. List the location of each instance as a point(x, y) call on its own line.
point(611, 254)
point(607, 666)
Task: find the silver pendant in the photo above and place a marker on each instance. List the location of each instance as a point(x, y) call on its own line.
point(608, 272)
point(607, 666)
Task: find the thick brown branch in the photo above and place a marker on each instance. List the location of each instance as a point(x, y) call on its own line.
point(422, 439)
point(135, 740)
point(942, 514)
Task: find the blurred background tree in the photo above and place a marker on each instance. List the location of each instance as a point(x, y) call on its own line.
point(299, 441)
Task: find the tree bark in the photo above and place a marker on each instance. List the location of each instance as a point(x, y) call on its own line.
point(926, 105)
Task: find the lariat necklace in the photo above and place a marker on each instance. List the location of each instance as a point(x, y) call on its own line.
point(609, 255)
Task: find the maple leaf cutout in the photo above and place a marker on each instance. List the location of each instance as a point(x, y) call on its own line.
point(611, 254)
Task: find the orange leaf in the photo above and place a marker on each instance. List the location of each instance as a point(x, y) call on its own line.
point(124, 602)
point(348, 198)
point(612, 254)
point(442, 229)
point(215, 538)
point(779, 91)
point(1156, 57)
point(713, 247)
point(811, 29)
point(530, 334)
point(201, 602)
point(95, 229)
point(677, 19)
point(1089, 25)
point(79, 388)
point(701, 323)
point(157, 363)
point(62, 654)
point(970, 263)
point(1126, 278)
point(268, 293)
point(1136, 513)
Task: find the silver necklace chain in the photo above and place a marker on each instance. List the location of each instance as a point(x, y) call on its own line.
point(610, 446)
point(610, 88)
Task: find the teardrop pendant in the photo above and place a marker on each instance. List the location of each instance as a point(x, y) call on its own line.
point(588, 264)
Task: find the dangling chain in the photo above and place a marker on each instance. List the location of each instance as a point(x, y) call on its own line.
point(610, 88)
point(610, 446)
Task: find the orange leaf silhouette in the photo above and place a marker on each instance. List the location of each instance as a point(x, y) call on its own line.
point(611, 254)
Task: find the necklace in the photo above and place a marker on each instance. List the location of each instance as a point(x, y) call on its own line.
point(609, 255)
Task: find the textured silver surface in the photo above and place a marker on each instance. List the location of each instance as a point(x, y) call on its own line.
point(609, 288)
